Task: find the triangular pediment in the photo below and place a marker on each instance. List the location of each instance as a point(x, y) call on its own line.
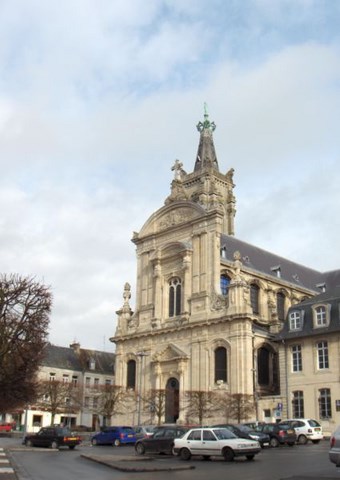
point(171, 352)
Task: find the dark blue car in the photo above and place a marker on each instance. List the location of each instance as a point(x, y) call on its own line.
point(114, 436)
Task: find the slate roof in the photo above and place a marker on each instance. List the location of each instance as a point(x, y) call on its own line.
point(263, 261)
point(331, 297)
point(69, 359)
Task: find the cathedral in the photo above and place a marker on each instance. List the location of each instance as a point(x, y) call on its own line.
point(210, 309)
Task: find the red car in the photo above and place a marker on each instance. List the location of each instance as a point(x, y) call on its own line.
point(6, 427)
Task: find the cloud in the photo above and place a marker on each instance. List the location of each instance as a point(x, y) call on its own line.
point(97, 100)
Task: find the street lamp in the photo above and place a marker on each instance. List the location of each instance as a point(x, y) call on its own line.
point(141, 355)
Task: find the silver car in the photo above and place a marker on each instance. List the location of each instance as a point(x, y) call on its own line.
point(334, 452)
point(209, 442)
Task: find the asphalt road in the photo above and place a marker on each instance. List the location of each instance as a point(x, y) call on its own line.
point(300, 462)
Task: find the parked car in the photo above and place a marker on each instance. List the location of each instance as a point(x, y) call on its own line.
point(116, 436)
point(242, 431)
point(161, 441)
point(279, 434)
point(213, 441)
point(6, 427)
point(334, 451)
point(143, 431)
point(305, 429)
point(53, 437)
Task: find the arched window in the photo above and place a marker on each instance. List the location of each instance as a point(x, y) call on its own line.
point(254, 297)
point(224, 282)
point(131, 374)
point(263, 366)
point(221, 364)
point(280, 304)
point(175, 297)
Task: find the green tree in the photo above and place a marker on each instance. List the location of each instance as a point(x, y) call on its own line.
point(25, 306)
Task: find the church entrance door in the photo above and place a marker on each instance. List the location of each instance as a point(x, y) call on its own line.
point(172, 401)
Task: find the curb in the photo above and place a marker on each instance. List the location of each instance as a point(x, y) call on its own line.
point(122, 464)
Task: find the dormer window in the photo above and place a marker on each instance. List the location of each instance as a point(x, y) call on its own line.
point(295, 320)
point(223, 251)
point(320, 316)
point(92, 364)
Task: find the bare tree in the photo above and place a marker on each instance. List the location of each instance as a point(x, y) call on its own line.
point(237, 406)
point(25, 306)
point(154, 403)
point(59, 397)
point(201, 405)
point(111, 400)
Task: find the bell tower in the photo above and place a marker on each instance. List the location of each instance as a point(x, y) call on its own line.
point(206, 185)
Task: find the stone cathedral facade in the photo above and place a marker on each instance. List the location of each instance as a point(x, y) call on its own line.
point(209, 307)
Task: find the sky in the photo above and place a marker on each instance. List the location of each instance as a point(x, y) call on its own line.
point(99, 97)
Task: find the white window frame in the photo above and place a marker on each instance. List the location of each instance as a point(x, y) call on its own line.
point(321, 318)
point(323, 355)
point(296, 358)
point(295, 320)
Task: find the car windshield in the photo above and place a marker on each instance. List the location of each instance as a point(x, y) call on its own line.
point(127, 429)
point(244, 428)
point(284, 426)
point(314, 423)
point(63, 431)
point(224, 434)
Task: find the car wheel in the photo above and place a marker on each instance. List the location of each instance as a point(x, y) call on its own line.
point(140, 449)
point(71, 447)
point(302, 440)
point(28, 443)
point(250, 457)
point(94, 441)
point(315, 441)
point(206, 457)
point(228, 454)
point(54, 445)
point(185, 454)
point(274, 442)
point(116, 443)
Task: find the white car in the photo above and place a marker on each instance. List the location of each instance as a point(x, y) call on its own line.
point(209, 442)
point(305, 429)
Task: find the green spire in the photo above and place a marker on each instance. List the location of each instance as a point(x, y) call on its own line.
point(206, 124)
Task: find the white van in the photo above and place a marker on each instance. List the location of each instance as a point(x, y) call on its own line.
point(306, 429)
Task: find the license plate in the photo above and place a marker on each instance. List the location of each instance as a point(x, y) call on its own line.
point(130, 435)
point(317, 429)
point(71, 439)
point(290, 431)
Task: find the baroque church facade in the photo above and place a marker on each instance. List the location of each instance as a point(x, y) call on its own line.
point(209, 307)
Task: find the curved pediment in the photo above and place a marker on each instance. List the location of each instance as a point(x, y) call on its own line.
point(171, 215)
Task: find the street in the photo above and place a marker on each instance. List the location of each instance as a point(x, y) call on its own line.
point(301, 461)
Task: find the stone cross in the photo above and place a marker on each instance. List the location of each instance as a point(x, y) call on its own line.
point(177, 169)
